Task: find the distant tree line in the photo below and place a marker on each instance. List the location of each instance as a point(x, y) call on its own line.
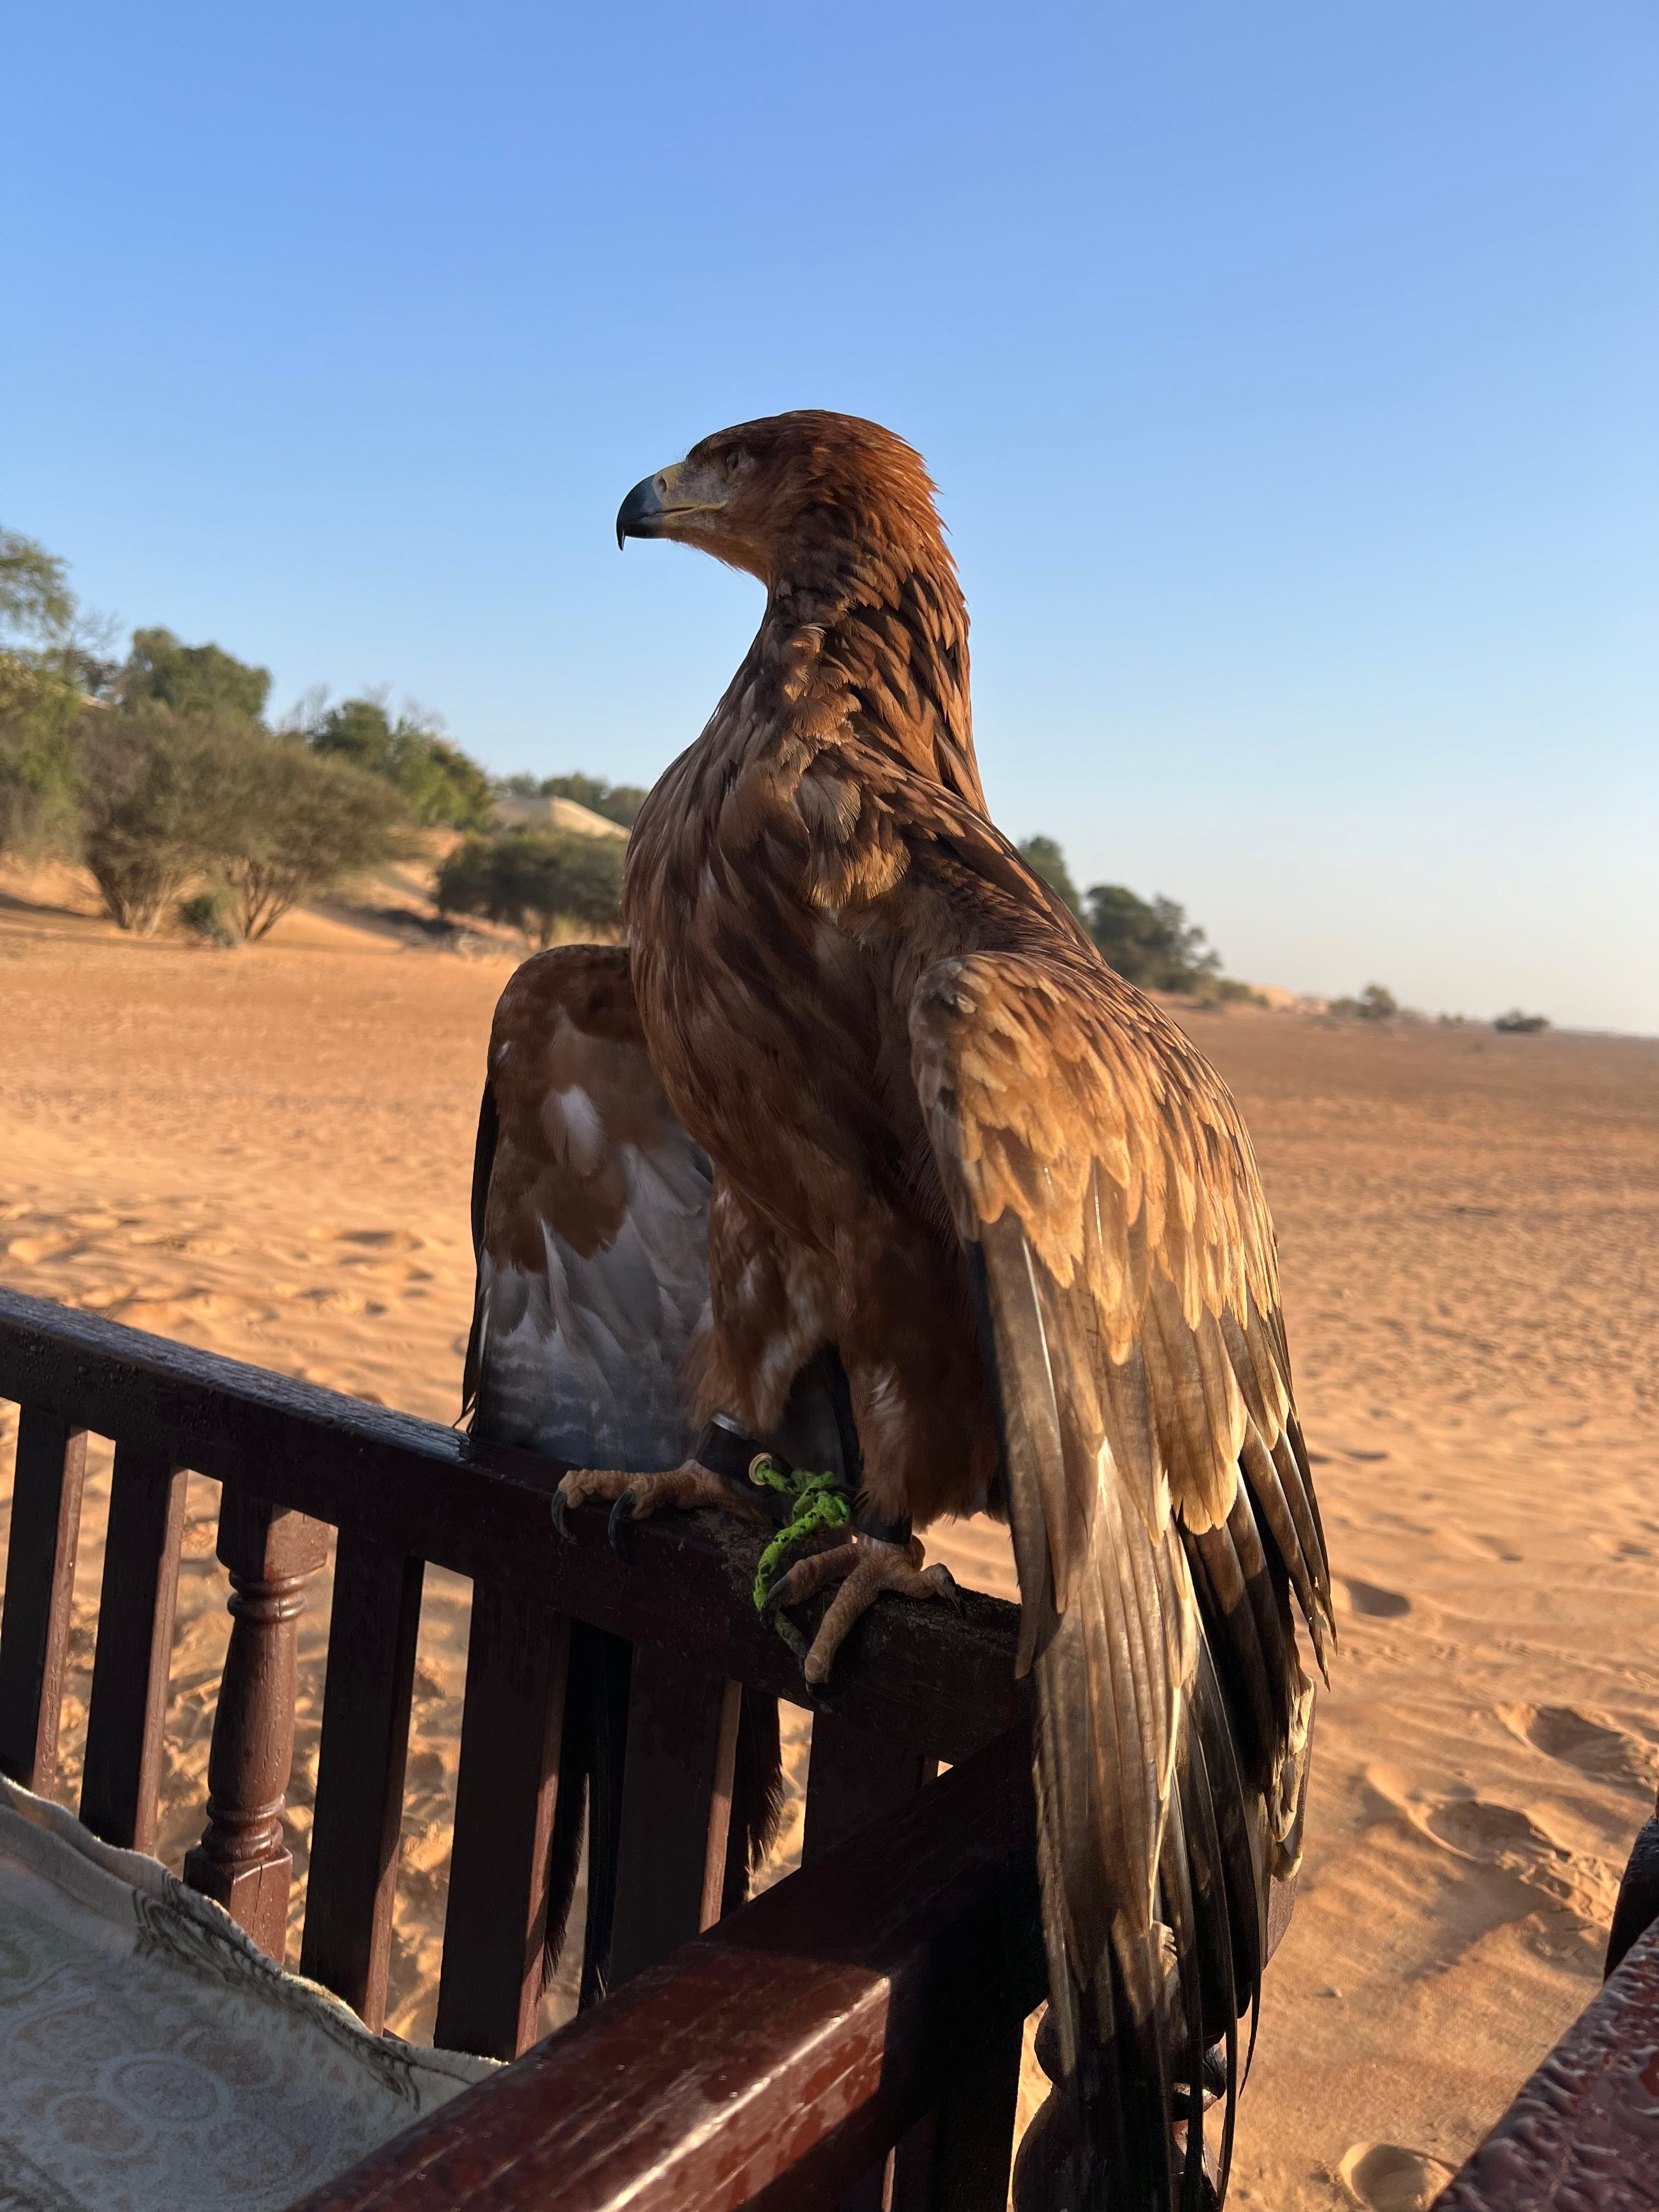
point(616, 802)
point(160, 771)
point(1377, 1003)
point(1150, 942)
point(163, 774)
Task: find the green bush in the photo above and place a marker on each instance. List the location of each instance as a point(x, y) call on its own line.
point(1225, 991)
point(1515, 1024)
point(1374, 1004)
point(532, 880)
point(203, 915)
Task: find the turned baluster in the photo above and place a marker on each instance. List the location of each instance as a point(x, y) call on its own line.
point(242, 1861)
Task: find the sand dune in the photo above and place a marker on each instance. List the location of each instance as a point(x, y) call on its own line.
point(267, 1153)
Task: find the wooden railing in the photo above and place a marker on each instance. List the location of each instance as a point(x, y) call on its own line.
point(870, 2004)
point(849, 2040)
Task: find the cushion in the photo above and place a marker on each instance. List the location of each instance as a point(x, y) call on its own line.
point(153, 2059)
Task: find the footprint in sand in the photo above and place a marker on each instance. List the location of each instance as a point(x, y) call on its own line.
point(1369, 1599)
point(1468, 1545)
point(1616, 1547)
point(34, 1250)
point(1385, 2177)
point(1509, 1841)
point(1600, 1748)
point(1504, 1837)
point(381, 1240)
point(329, 1299)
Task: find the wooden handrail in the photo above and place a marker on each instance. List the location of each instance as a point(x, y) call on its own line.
point(1583, 2135)
point(916, 1684)
point(771, 2061)
point(938, 1680)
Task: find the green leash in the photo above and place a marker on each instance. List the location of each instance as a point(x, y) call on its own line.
point(818, 1501)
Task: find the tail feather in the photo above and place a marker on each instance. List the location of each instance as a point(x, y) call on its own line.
point(757, 1795)
point(593, 1754)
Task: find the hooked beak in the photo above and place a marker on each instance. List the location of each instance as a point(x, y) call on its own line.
point(658, 503)
point(642, 511)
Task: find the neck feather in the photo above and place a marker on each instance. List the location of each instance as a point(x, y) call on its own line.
point(878, 638)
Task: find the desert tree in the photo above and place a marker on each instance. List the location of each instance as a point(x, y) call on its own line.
point(303, 824)
point(45, 661)
point(1044, 857)
point(1149, 941)
point(533, 881)
point(39, 783)
point(439, 786)
point(161, 798)
point(37, 607)
point(192, 679)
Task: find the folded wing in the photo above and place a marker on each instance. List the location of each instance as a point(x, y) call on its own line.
point(590, 1226)
point(1163, 1514)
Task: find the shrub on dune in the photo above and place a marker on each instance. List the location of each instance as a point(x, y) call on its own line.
point(534, 880)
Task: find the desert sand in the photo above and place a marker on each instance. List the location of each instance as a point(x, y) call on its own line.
point(267, 1153)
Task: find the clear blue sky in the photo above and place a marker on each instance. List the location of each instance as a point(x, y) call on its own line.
point(1289, 373)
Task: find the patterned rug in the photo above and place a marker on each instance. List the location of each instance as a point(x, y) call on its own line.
point(153, 2060)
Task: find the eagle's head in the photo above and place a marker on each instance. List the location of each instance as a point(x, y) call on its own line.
point(791, 492)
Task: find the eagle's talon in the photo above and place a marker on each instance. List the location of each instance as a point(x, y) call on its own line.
point(561, 1510)
point(622, 1517)
point(865, 1567)
point(945, 1584)
point(635, 1497)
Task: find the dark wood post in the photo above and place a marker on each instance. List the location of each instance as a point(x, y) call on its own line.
point(854, 1778)
point(517, 1657)
point(45, 1525)
point(355, 1829)
point(122, 1775)
point(241, 1861)
point(677, 1808)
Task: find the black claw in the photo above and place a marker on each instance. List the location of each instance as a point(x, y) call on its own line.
point(622, 1518)
point(771, 1601)
point(951, 1592)
point(562, 1527)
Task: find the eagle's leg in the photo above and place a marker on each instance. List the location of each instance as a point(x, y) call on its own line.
point(637, 1496)
point(864, 1567)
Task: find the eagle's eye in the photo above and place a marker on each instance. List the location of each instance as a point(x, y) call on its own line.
point(732, 460)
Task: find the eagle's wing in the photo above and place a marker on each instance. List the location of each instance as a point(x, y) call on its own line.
point(1161, 1508)
point(590, 1213)
point(590, 1227)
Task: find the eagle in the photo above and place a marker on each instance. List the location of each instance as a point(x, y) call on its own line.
point(986, 1210)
